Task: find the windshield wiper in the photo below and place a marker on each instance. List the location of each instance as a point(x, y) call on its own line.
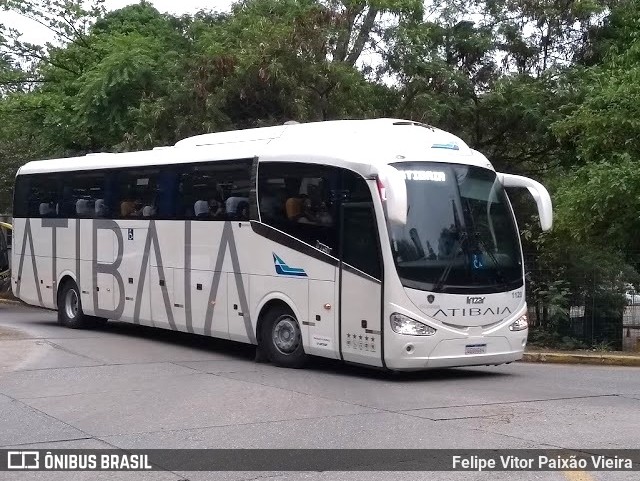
point(462, 237)
point(415, 238)
point(500, 277)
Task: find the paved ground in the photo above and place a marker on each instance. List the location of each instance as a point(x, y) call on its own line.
point(132, 387)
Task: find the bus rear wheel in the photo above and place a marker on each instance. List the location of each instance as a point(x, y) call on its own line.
point(281, 338)
point(70, 307)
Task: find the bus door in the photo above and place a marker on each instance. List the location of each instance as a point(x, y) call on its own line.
point(4, 252)
point(360, 279)
point(5, 279)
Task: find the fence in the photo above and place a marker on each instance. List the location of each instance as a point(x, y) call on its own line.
point(582, 308)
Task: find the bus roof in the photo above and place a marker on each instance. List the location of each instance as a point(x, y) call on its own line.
point(356, 144)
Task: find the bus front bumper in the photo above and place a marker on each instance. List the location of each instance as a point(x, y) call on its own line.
point(453, 353)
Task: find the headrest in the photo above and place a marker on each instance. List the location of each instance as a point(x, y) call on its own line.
point(45, 209)
point(148, 211)
point(82, 207)
point(201, 207)
point(101, 208)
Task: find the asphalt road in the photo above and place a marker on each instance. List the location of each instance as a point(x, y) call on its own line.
point(133, 387)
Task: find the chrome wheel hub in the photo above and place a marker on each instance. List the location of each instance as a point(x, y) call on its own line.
point(286, 335)
point(71, 304)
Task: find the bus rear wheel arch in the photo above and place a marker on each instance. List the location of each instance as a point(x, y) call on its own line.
point(280, 337)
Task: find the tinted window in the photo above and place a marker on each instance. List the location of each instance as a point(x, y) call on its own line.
point(82, 195)
point(42, 196)
point(216, 191)
point(354, 188)
point(360, 232)
point(138, 193)
point(20, 196)
point(360, 245)
point(303, 200)
point(4, 253)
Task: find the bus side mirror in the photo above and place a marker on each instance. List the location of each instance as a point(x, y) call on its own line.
point(393, 193)
point(539, 193)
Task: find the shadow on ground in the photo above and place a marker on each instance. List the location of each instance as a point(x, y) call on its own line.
point(241, 351)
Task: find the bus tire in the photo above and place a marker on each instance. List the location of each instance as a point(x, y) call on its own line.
point(70, 307)
point(281, 338)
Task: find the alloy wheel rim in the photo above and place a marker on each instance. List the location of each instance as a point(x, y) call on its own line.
point(71, 304)
point(286, 335)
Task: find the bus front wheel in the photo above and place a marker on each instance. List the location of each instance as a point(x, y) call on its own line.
point(70, 307)
point(281, 338)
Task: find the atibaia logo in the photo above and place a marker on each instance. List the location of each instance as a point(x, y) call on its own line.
point(284, 270)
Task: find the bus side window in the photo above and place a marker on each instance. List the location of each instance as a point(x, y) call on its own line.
point(42, 196)
point(199, 194)
point(21, 196)
point(138, 193)
point(87, 191)
point(215, 191)
point(234, 183)
point(297, 199)
point(354, 188)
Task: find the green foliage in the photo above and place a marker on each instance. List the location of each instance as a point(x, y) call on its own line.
point(602, 346)
point(599, 203)
point(546, 338)
point(606, 123)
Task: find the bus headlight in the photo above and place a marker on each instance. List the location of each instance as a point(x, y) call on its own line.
point(405, 325)
point(520, 325)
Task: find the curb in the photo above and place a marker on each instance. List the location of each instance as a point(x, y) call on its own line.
point(594, 359)
point(11, 301)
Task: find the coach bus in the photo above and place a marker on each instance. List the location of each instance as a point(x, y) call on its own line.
point(381, 242)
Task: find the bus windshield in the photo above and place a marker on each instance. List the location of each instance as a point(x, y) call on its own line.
point(460, 234)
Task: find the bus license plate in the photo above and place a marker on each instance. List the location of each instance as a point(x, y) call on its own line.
point(475, 349)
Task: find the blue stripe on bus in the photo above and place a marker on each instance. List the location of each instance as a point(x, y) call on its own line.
point(284, 270)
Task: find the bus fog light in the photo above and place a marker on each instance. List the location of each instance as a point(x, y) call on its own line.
point(405, 325)
point(520, 325)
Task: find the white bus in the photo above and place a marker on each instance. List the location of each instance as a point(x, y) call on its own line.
point(381, 242)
